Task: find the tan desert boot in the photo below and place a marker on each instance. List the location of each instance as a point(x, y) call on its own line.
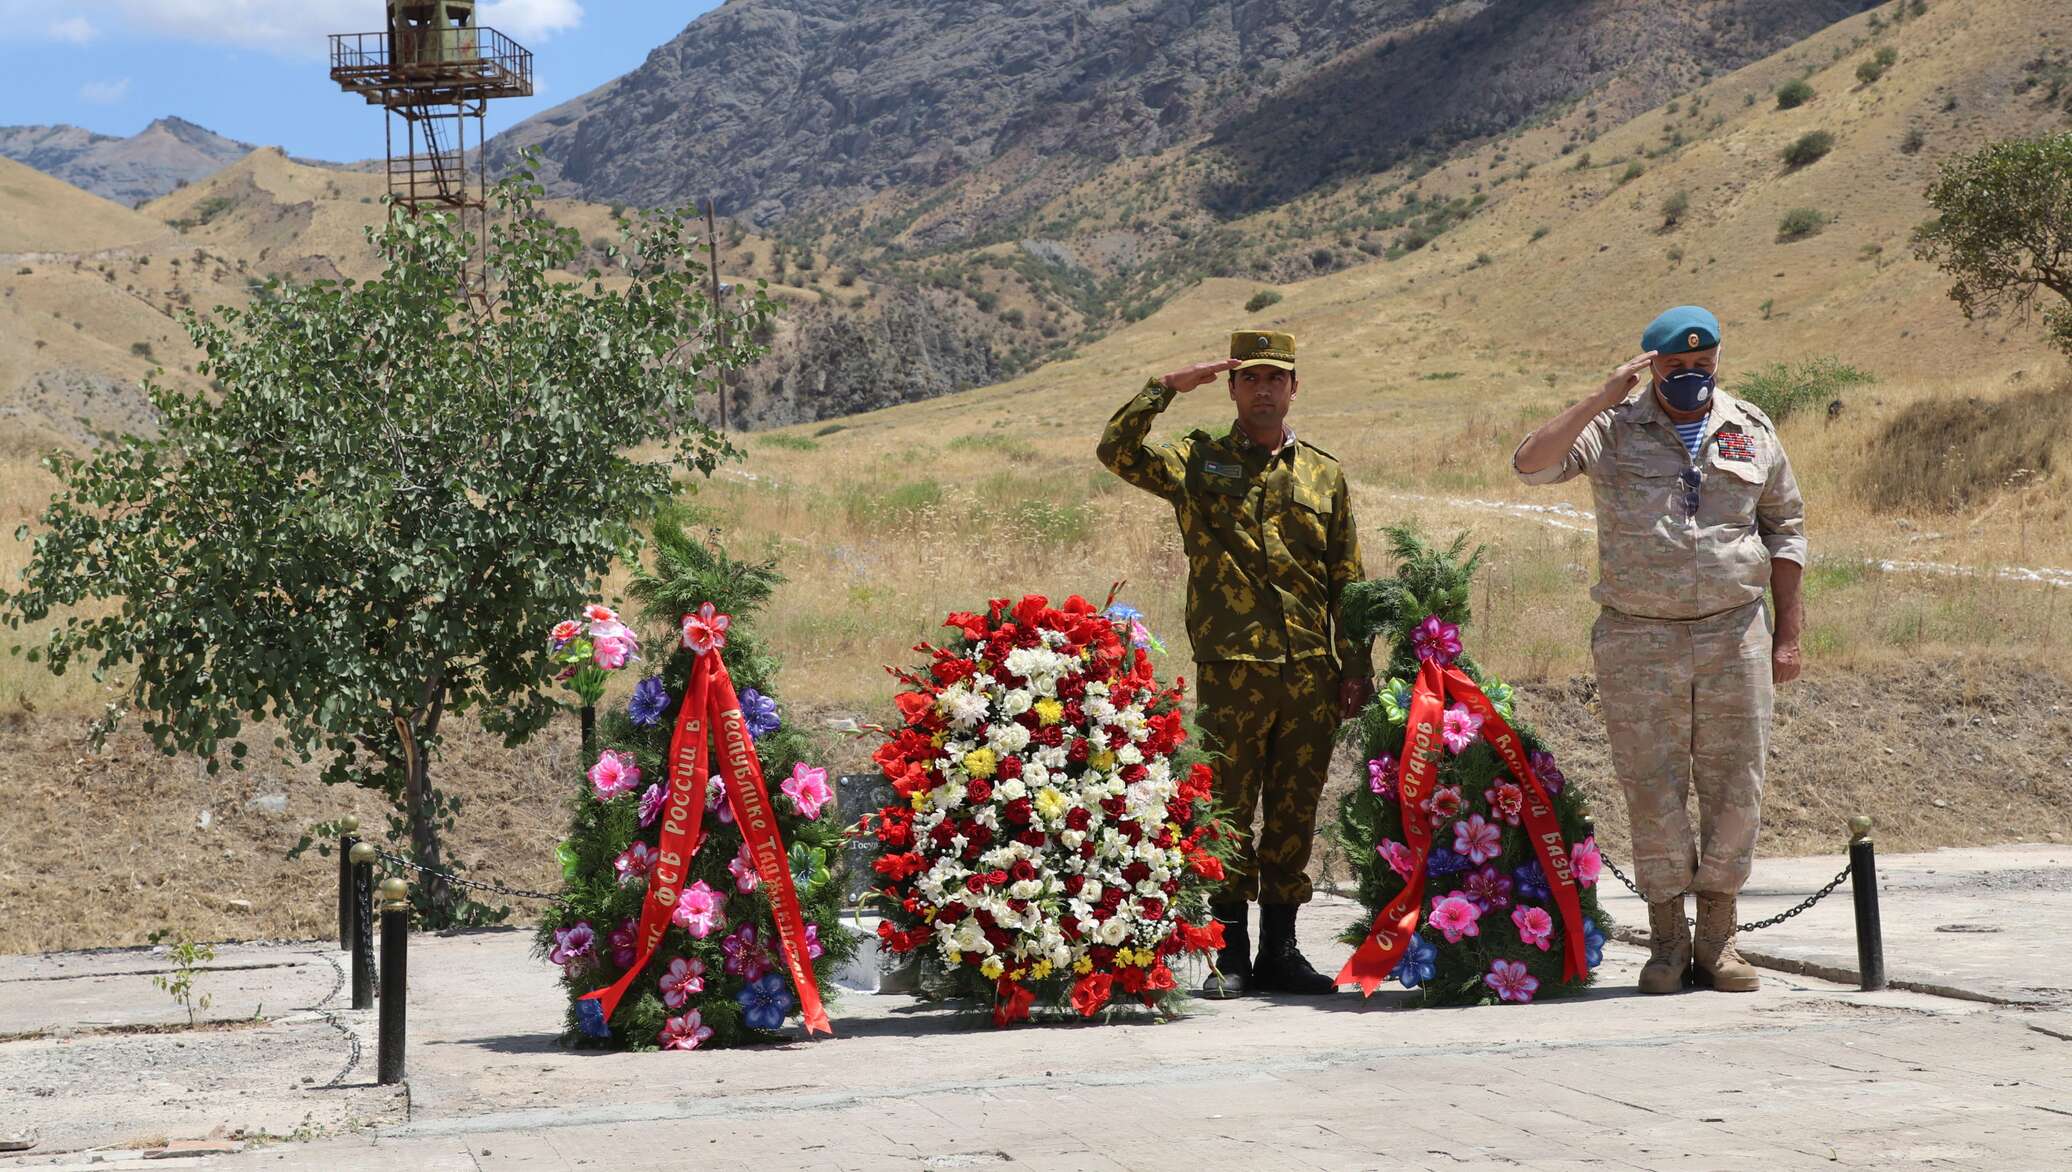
point(1719, 966)
point(1669, 948)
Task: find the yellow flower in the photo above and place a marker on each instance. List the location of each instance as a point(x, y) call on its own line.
point(1040, 970)
point(940, 739)
point(1017, 974)
point(980, 762)
point(1102, 761)
point(1049, 711)
point(928, 915)
point(991, 968)
point(952, 957)
point(1083, 965)
point(919, 800)
point(1050, 804)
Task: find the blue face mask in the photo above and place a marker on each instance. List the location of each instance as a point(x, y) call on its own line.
point(1687, 390)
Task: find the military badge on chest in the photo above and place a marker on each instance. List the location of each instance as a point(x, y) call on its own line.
point(1736, 445)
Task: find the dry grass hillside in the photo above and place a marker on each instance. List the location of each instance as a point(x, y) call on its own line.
point(1940, 510)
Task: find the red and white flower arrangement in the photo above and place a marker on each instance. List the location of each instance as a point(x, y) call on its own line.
point(1052, 842)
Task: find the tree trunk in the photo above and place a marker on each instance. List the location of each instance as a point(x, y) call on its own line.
point(439, 899)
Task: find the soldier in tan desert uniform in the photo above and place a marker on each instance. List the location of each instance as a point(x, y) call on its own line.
point(1267, 524)
point(1697, 513)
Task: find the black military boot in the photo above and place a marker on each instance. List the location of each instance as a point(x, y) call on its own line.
point(1281, 967)
point(1233, 975)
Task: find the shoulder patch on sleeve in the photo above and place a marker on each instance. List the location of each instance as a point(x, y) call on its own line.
point(1319, 451)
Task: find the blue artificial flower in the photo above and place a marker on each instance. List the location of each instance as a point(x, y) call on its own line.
point(1442, 862)
point(1123, 612)
point(650, 700)
point(1529, 883)
point(766, 1002)
point(1420, 963)
point(760, 712)
point(1593, 943)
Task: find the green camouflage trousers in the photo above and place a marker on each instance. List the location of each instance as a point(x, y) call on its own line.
point(1272, 725)
point(1688, 703)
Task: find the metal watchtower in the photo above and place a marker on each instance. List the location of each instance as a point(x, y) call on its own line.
point(434, 71)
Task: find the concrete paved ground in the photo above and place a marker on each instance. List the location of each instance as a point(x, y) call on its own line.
point(1806, 1073)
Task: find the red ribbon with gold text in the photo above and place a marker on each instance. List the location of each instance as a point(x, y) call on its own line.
point(1397, 922)
point(711, 722)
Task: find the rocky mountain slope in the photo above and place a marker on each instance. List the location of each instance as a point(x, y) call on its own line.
point(144, 166)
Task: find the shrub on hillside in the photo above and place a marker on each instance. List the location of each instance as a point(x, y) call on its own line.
point(1944, 453)
point(1808, 148)
point(1916, 139)
point(1870, 69)
point(1782, 389)
point(1800, 223)
point(1793, 94)
point(1633, 171)
point(1261, 300)
point(1674, 207)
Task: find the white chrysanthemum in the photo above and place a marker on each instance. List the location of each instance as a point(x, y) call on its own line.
point(964, 708)
point(1071, 839)
point(1008, 737)
point(1099, 710)
point(1035, 774)
point(1013, 789)
point(1016, 701)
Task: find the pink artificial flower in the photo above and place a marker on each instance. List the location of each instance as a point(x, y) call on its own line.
point(706, 630)
point(813, 949)
point(807, 789)
point(1535, 926)
point(625, 942)
point(1381, 776)
point(700, 910)
point(1506, 801)
point(1478, 840)
point(597, 612)
point(565, 630)
point(1436, 640)
point(747, 956)
point(1456, 917)
point(614, 774)
point(684, 1033)
point(1511, 981)
point(1398, 856)
point(633, 862)
point(572, 944)
point(1585, 861)
point(1462, 727)
point(742, 868)
point(610, 652)
point(651, 800)
point(684, 978)
point(1443, 804)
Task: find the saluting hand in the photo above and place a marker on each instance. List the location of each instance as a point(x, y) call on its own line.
point(1188, 378)
point(1620, 384)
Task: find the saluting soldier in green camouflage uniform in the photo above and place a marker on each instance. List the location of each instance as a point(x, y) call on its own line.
point(1267, 523)
point(1697, 514)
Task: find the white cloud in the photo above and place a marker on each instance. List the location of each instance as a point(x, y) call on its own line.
point(76, 29)
point(293, 28)
point(105, 93)
point(534, 20)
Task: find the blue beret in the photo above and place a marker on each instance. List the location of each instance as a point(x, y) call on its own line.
point(1681, 330)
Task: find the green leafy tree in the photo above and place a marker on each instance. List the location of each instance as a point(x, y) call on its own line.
point(397, 488)
point(2003, 229)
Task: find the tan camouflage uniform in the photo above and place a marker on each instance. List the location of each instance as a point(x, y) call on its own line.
point(1682, 648)
point(1270, 544)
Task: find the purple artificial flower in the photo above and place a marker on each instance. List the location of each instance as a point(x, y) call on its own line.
point(759, 712)
point(624, 940)
point(572, 944)
point(745, 955)
point(1381, 776)
point(1511, 980)
point(1442, 862)
point(1543, 767)
point(1436, 640)
point(651, 800)
point(649, 702)
point(1489, 888)
point(1529, 882)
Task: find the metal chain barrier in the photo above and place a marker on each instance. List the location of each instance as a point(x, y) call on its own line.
point(1841, 877)
point(467, 884)
point(352, 1039)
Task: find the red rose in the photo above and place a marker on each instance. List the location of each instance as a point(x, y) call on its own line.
point(1069, 925)
point(977, 790)
point(1074, 883)
point(1151, 908)
point(1009, 768)
point(1077, 754)
point(1019, 811)
point(1035, 838)
point(1079, 818)
point(1137, 871)
point(1023, 870)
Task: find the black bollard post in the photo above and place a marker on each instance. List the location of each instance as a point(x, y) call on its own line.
point(348, 834)
point(1863, 885)
point(395, 944)
point(363, 857)
point(589, 732)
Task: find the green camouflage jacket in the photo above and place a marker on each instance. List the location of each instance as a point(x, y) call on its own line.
point(1270, 539)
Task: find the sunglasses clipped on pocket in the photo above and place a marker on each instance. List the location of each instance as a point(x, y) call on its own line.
point(1689, 478)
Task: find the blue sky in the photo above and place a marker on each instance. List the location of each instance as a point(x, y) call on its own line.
point(255, 69)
